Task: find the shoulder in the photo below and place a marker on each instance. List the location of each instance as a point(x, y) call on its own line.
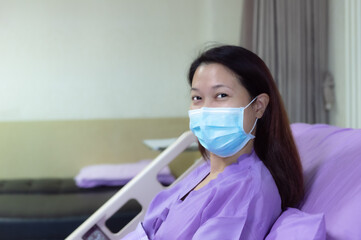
point(248, 183)
point(263, 185)
point(248, 172)
point(249, 195)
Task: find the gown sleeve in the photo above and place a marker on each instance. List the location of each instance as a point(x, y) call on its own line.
point(137, 234)
point(227, 228)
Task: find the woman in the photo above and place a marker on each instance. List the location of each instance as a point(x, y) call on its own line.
point(253, 170)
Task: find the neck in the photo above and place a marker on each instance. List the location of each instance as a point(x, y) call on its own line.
point(218, 164)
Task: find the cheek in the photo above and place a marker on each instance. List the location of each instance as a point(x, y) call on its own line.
point(191, 107)
point(235, 102)
point(241, 99)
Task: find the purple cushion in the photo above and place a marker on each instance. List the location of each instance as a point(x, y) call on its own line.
point(331, 159)
point(294, 224)
point(117, 174)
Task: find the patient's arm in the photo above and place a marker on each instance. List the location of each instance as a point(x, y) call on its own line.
point(137, 234)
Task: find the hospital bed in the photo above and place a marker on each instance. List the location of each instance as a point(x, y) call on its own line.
point(95, 227)
point(331, 160)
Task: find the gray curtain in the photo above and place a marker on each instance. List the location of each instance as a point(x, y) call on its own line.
point(291, 37)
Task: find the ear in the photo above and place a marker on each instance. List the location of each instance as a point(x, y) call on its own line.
point(260, 104)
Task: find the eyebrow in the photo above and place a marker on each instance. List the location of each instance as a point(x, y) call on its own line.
point(214, 87)
point(220, 86)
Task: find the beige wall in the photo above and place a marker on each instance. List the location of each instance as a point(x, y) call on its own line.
point(90, 59)
point(61, 148)
point(85, 81)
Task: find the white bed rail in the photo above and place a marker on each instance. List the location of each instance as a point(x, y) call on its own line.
point(94, 227)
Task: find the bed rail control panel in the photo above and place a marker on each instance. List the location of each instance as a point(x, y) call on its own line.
point(94, 228)
point(95, 233)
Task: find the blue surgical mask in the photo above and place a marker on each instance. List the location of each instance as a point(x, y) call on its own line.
point(220, 130)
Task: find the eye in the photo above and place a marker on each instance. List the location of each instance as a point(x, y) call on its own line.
point(222, 95)
point(196, 98)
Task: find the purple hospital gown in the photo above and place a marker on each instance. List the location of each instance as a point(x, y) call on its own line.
point(241, 203)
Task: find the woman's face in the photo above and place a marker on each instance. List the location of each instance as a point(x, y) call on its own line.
point(215, 86)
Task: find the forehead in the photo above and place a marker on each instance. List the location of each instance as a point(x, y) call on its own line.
point(215, 74)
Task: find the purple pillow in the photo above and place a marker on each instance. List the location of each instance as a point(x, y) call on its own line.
point(117, 174)
point(331, 160)
point(294, 224)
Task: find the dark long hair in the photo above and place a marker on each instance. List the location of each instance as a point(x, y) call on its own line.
point(274, 143)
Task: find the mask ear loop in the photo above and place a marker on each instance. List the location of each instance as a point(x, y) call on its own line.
point(250, 102)
point(254, 125)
